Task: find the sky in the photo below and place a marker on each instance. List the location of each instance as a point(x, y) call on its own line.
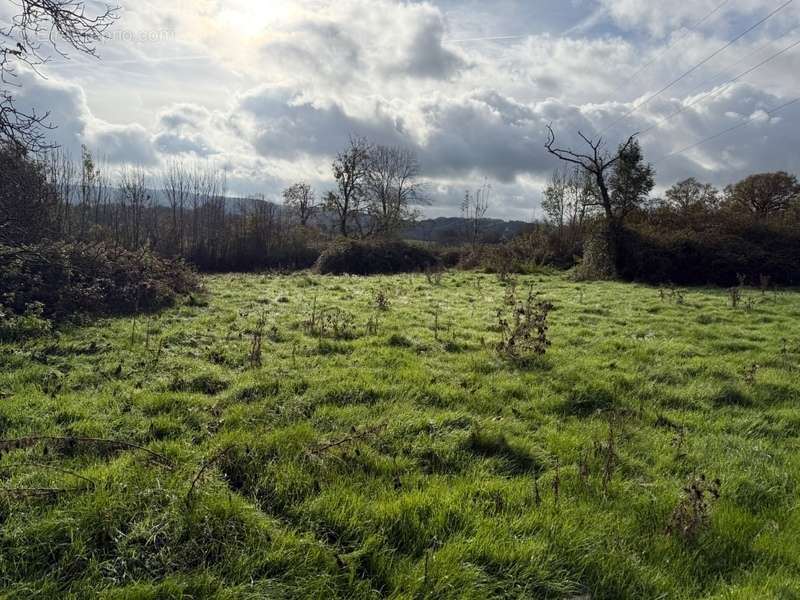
point(270, 90)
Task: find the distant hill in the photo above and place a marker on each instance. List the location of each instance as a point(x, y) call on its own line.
point(453, 230)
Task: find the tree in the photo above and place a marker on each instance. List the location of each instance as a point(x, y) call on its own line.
point(26, 198)
point(300, 199)
point(69, 22)
point(690, 194)
point(622, 183)
point(473, 211)
point(765, 194)
point(631, 181)
point(599, 165)
point(566, 202)
point(176, 187)
point(350, 170)
point(392, 183)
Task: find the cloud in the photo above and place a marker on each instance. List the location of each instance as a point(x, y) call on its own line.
point(424, 55)
point(184, 115)
point(173, 144)
point(74, 124)
point(361, 44)
point(662, 18)
point(122, 144)
point(281, 123)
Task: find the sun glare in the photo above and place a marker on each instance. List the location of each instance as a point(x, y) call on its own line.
point(254, 17)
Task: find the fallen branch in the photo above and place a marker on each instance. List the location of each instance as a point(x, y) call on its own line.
point(356, 436)
point(206, 466)
point(27, 442)
point(38, 492)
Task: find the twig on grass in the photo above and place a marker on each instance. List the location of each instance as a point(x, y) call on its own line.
point(355, 436)
point(27, 442)
point(205, 467)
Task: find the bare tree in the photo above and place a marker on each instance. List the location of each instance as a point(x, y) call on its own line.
point(300, 199)
point(176, 187)
point(622, 182)
point(63, 24)
point(567, 202)
point(134, 199)
point(393, 183)
point(61, 176)
point(350, 170)
point(473, 210)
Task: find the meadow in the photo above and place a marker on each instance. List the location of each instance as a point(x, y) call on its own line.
point(300, 436)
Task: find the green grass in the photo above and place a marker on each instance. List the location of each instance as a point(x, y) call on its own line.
point(404, 462)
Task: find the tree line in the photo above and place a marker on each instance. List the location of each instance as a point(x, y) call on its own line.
point(600, 212)
point(186, 212)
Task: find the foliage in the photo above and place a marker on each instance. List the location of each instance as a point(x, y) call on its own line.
point(371, 258)
point(68, 279)
point(26, 201)
point(17, 327)
point(631, 181)
point(691, 195)
point(764, 194)
point(712, 251)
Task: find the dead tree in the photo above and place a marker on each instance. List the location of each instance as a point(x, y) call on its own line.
point(599, 164)
point(620, 182)
point(473, 211)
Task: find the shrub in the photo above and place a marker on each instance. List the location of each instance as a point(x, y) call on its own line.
point(711, 253)
point(691, 515)
point(373, 258)
point(31, 323)
point(450, 258)
point(524, 333)
point(68, 279)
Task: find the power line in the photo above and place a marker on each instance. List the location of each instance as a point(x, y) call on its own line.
point(725, 85)
point(698, 65)
point(717, 80)
point(728, 130)
point(687, 31)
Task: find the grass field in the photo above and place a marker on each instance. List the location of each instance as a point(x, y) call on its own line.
point(398, 455)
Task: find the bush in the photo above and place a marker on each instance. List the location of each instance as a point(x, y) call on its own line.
point(14, 328)
point(534, 250)
point(715, 254)
point(450, 258)
point(67, 279)
point(373, 258)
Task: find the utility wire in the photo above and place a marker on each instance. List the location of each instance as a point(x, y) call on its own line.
point(728, 130)
point(686, 33)
point(725, 85)
point(698, 65)
point(717, 80)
